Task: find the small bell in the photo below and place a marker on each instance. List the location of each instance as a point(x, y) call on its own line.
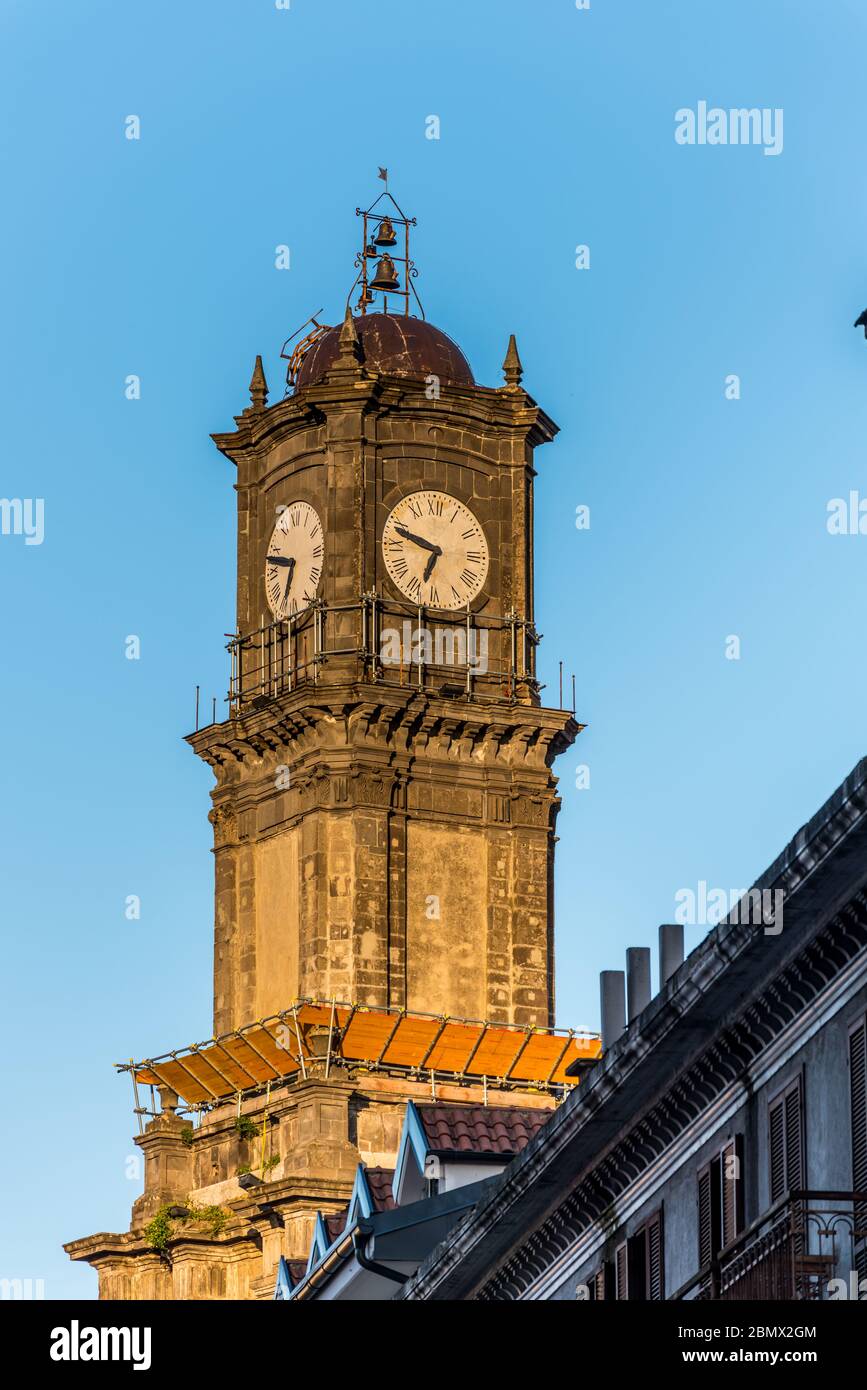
point(385, 277)
point(370, 249)
point(385, 235)
point(364, 298)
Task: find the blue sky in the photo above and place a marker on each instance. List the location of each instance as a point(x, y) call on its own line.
point(708, 516)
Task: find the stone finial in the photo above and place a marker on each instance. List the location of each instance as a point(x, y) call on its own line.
point(258, 387)
point(512, 369)
point(348, 344)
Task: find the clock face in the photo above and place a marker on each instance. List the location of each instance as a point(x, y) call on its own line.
point(435, 550)
point(293, 564)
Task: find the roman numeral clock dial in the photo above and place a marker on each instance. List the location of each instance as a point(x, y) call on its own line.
point(435, 550)
point(293, 564)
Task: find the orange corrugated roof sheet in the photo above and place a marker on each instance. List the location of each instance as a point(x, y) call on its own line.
point(390, 1039)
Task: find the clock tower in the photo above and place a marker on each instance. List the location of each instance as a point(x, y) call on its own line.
point(384, 806)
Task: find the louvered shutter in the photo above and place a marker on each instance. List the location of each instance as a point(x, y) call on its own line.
point(706, 1251)
point(795, 1176)
point(655, 1280)
point(731, 1182)
point(621, 1277)
point(597, 1286)
point(858, 1090)
point(777, 1150)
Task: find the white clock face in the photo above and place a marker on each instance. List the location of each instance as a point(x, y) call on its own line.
point(293, 564)
point(435, 550)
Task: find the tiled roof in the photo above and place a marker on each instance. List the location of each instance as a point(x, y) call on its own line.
point(335, 1223)
point(480, 1129)
point(379, 1182)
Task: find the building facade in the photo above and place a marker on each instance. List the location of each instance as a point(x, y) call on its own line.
point(718, 1149)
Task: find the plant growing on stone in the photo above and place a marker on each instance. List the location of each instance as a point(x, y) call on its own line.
point(245, 1127)
point(158, 1231)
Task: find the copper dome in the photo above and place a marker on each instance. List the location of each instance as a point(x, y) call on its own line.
point(395, 345)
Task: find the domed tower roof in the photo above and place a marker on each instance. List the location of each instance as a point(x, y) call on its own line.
point(394, 344)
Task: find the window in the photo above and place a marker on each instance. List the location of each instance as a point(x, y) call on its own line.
point(601, 1283)
point(786, 1141)
point(720, 1200)
point(639, 1264)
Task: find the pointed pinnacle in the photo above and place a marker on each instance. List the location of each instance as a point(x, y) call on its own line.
point(258, 387)
point(512, 369)
point(349, 343)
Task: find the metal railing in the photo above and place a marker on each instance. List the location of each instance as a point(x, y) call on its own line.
point(791, 1253)
point(390, 642)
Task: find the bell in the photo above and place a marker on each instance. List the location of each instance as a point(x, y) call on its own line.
point(385, 277)
point(385, 235)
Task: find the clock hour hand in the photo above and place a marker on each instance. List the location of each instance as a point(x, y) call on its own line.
point(289, 580)
point(428, 569)
point(281, 560)
point(418, 540)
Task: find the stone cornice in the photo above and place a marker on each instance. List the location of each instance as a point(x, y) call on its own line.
point(257, 429)
point(391, 718)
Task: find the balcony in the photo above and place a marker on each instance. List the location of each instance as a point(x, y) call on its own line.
point(791, 1253)
point(391, 642)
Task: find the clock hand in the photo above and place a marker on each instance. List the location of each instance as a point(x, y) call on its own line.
point(289, 580)
point(428, 569)
point(417, 540)
point(280, 560)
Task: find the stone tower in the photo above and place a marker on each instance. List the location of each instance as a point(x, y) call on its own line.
point(384, 806)
point(384, 809)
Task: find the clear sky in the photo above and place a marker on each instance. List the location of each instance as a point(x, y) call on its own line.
point(261, 127)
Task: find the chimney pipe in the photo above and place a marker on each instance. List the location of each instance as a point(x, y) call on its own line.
point(613, 1006)
point(670, 951)
point(637, 980)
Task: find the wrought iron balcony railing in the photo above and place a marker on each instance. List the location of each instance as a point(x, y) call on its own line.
point(388, 641)
point(792, 1252)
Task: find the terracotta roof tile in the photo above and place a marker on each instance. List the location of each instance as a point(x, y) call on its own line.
point(379, 1182)
point(480, 1129)
point(335, 1223)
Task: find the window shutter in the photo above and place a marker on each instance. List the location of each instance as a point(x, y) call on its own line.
point(858, 1090)
point(794, 1137)
point(731, 1179)
point(597, 1286)
point(777, 1150)
point(655, 1280)
point(621, 1278)
point(706, 1251)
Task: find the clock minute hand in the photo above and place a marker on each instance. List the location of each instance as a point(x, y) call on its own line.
point(418, 540)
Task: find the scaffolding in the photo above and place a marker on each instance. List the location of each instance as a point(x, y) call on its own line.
point(315, 1036)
